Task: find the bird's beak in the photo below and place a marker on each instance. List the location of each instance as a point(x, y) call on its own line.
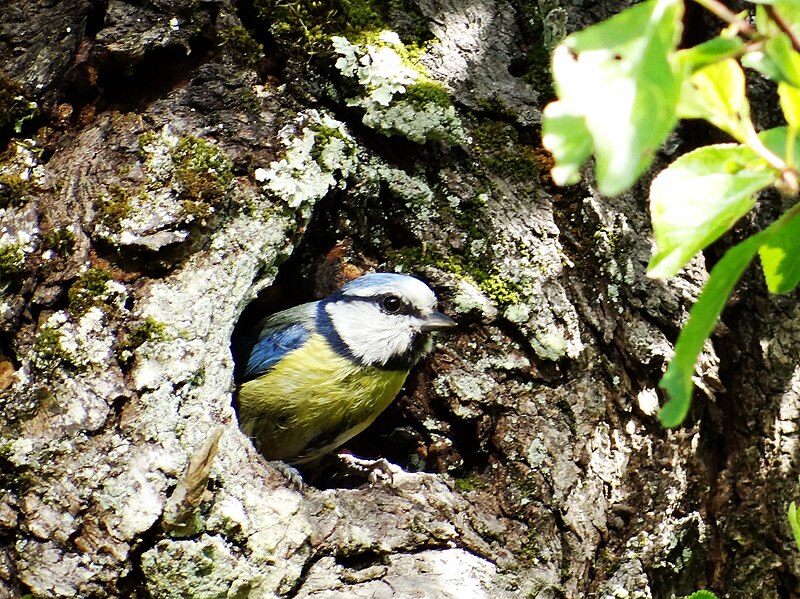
point(436, 321)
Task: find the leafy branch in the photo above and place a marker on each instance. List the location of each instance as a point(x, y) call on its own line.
point(623, 85)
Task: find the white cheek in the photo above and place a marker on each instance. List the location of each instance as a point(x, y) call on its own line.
point(369, 334)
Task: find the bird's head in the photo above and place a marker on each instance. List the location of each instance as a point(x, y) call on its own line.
point(382, 319)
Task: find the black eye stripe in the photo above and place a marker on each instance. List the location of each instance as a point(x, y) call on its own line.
point(406, 308)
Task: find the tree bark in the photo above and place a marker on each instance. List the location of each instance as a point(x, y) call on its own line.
point(174, 170)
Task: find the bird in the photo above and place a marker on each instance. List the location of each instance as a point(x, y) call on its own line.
point(314, 376)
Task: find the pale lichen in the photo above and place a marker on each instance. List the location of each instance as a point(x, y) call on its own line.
point(412, 189)
point(83, 344)
point(187, 180)
point(320, 155)
point(18, 239)
point(397, 96)
point(201, 568)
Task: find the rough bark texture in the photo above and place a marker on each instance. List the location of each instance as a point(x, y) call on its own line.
point(166, 163)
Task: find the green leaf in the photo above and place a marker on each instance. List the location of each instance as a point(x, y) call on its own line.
point(780, 256)
point(786, 60)
point(619, 82)
point(716, 93)
point(790, 103)
point(762, 63)
point(793, 522)
point(677, 380)
point(699, 197)
point(568, 140)
point(777, 61)
point(782, 142)
point(789, 11)
point(714, 50)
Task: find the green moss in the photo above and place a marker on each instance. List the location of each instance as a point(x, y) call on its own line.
point(239, 40)
point(13, 190)
point(425, 92)
point(529, 551)
point(88, 291)
point(305, 27)
point(494, 104)
point(536, 70)
point(502, 291)
point(359, 14)
point(250, 101)
point(468, 215)
point(409, 51)
point(13, 478)
point(114, 208)
point(469, 483)
point(539, 75)
point(12, 260)
point(498, 147)
point(203, 174)
point(47, 349)
point(148, 330)
point(15, 108)
point(308, 24)
point(197, 379)
point(60, 240)
point(481, 270)
point(146, 140)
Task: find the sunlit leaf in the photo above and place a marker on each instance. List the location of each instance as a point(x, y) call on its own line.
point(619, 82)
point(783, 2)
point(714, 50)
point(677, 381)
point(759, 61)
point(778, 140)
point(789, 97)
point(776, 60)
point(793, 522)
point(569, 141)
point(780, 51)
point(716, 93)
point(699, 197)
point(780, 257)
point(789, 11)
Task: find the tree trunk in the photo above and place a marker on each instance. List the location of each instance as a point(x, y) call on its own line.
point(175, 170)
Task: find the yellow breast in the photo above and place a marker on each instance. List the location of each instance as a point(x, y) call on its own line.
point(312, 401)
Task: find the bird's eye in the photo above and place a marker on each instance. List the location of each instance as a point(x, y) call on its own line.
point(391, 304)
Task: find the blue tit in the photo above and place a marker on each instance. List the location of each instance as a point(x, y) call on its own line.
point(318, 374)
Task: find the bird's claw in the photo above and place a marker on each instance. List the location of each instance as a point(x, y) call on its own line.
point(291, 473)
point(378, 470)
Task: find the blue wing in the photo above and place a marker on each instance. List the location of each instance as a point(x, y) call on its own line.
point(263, 346)
point(272, 346)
